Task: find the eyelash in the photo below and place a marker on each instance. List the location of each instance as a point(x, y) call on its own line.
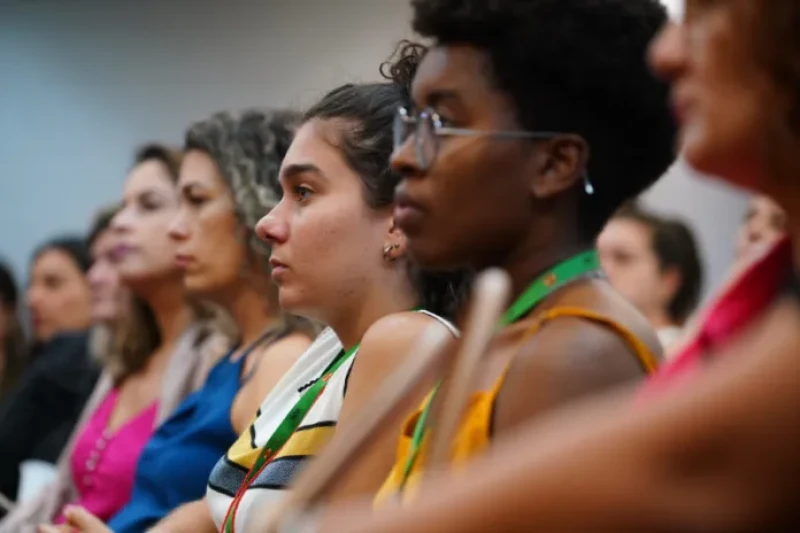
point(300, 190)
point(150, 205)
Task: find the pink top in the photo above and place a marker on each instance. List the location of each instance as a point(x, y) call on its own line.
point(104, 462)
point(737, 307)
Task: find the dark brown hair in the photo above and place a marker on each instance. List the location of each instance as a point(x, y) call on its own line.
point(14, 343)
point(170, 157)
point(675, 247)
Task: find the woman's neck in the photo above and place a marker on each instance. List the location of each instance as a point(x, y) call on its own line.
point(660, 320)
point(788, 197)
point(384, 297)
point(250, 311)
point(536, 254)
point(172, 313)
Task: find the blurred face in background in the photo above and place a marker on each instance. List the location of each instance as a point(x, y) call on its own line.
point(210, 244)
point(728, 104)
point(143, 252)
point(628, 259)
point(109, 297)
point(58, 295)
point(763, 224)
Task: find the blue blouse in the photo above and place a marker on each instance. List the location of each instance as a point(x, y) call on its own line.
point(174, 466)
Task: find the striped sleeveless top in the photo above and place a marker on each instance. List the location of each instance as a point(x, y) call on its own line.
point(314, 432)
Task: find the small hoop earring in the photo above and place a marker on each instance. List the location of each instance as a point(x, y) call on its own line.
point(387, 253)
point(587, 184)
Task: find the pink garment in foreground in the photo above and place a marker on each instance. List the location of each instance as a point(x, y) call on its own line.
point(743, 301)
point(104, 462)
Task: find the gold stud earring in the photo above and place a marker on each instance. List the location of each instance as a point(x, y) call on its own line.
point(387, 253)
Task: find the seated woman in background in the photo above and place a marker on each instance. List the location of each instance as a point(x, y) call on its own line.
point(37, 418)
point(150, 348)
point(13, 353)
point(228, 180)
point(338, 258)
point(764, 223)
point(719, 449)
point(655, 264)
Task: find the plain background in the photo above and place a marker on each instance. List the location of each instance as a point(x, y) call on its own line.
point(83, 82)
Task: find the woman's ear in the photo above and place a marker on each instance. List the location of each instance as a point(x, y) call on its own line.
point(394, 245)
point(558, 165)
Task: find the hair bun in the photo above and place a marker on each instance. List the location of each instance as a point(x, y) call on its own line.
point(402, 64)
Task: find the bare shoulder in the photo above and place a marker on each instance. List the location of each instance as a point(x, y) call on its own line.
point(291, 345)
point(579, 354)
point(395, 332)
point(266, 367)
point(571, 357)
point(383, 349)
point(281, 354)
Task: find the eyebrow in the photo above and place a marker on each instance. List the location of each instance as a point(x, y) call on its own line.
point(294, 170)
point(439, 96)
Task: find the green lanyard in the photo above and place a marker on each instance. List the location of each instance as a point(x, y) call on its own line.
point(283, 432)
point(563, 273)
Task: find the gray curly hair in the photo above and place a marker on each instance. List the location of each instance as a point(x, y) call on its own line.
point(248, 149)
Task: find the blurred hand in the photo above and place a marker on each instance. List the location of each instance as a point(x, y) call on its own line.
point(49, 528)
point(79, 520)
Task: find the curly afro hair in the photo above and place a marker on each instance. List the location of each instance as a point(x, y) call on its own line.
point(575, 66)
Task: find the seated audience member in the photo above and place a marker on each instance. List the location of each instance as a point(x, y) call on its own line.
point(513, 156)
point(13, 353)
point(227, 181)
point(654, 263)
point(96, 468)
point(37, 417)
point(717, 446)
point(538, 209)
point(336, 211)
point(763, 224)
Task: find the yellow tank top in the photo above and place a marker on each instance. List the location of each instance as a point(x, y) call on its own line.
point(473, 436)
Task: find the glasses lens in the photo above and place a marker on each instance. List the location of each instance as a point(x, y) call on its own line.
point(426, 145)
point(402, 128)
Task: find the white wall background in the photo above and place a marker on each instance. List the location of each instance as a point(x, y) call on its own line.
point(82, 82)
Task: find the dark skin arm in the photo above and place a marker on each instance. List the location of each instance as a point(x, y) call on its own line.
point(719, 454)
point(567, 359)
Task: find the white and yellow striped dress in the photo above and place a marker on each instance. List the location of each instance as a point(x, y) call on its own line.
point(314, 432)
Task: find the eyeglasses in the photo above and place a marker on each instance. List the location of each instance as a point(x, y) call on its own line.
point(427, 128)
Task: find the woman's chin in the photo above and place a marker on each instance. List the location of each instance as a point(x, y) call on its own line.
point(292, 303)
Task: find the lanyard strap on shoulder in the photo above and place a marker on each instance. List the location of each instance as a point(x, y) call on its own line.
point(563, 273)
point(283, 432)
